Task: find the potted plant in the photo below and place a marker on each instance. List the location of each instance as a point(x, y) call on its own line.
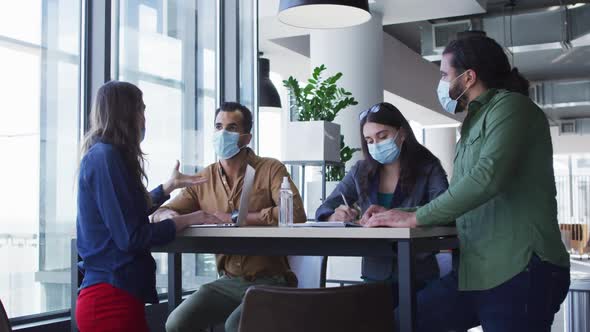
point(315, 106)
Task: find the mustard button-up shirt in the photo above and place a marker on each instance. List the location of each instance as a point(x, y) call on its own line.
point(217, 196)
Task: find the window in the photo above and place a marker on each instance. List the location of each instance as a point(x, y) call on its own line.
point(168, 48)
point(273, 122)
point(561, 168)
point(572, 179)
point(581, 187)
point(248, 54)
point(39, 135)
point(248, 50)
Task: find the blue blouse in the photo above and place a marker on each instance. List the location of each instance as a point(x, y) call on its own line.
point(114, 235)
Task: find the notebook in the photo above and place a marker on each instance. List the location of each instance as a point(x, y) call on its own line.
point(328, 224)
point(244, 199)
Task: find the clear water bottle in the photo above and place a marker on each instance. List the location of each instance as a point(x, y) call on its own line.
point(285, 204)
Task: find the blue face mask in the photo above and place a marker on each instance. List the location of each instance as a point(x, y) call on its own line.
point(385, 152)
point(142, 134)
point(225, 144)
point(444, 97)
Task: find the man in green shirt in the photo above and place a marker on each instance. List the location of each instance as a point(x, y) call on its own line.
point(513, 269)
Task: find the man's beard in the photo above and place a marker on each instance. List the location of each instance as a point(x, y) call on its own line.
point(455, 92)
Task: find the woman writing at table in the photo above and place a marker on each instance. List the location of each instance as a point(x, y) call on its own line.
point(114, 235)
point(396, 172)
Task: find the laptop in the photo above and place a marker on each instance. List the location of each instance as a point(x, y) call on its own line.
point(244, 199)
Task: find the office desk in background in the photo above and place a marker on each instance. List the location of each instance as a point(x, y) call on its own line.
point(269, 241)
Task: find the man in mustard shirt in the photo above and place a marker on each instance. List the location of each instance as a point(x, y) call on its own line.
point(220, 301)
point(513, 270)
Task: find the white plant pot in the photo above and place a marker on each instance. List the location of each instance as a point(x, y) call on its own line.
point(312, 141)
point(313, 196)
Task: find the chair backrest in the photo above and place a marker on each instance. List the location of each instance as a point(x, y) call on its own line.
point(4, 323)
point(367, 307)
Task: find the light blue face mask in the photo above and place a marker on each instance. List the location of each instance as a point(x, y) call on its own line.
point(386, 151)
point(225, 144)
point(142, 135)
point(444, 97)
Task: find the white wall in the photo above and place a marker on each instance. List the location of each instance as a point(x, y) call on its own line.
point(442, 142)
point(567, 144)
point(356, 52)
point(283, 63)
point(410, 84)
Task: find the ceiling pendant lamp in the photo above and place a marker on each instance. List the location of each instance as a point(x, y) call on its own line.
point(268, 95)
point(324, 14)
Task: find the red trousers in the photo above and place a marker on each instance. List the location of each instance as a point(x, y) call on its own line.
point(104, 308)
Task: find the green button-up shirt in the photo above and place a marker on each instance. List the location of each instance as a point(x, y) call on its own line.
point(502, 194)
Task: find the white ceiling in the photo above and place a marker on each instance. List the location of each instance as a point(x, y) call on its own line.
point(402, 11)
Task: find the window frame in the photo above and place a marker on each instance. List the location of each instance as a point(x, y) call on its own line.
point(96, 52)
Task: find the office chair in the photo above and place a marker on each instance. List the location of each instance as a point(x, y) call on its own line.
point(4, 322)
point(366, 307)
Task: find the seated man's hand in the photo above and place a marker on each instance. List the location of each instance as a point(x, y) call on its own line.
point(373, 209)
point(200, 218)
point(343, 213)
point(225, 217)
point(393, 218)
point(195, 218)
point(163, 214)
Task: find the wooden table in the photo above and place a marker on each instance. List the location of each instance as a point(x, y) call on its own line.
point(350, 241)
point(269, 241)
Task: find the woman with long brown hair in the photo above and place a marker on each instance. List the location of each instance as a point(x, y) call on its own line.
point(114, 235)
point(397, 172)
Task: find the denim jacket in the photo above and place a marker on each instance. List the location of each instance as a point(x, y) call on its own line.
point(114, 235)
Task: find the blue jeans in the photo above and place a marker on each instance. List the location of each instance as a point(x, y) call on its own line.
point(527, 302)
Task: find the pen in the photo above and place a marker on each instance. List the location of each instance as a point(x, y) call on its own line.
point(345, 202)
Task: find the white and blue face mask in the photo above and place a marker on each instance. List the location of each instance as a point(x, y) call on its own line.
point(225, 144)
point(386, 151)
point(444, 96)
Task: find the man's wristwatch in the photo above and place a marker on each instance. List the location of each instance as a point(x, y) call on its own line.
point(234, 216)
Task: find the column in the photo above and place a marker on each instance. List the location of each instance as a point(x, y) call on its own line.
point(441, 142)
point(357, 52)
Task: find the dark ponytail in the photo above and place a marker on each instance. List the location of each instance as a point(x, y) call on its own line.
point(487, 58)
point(517, 83)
